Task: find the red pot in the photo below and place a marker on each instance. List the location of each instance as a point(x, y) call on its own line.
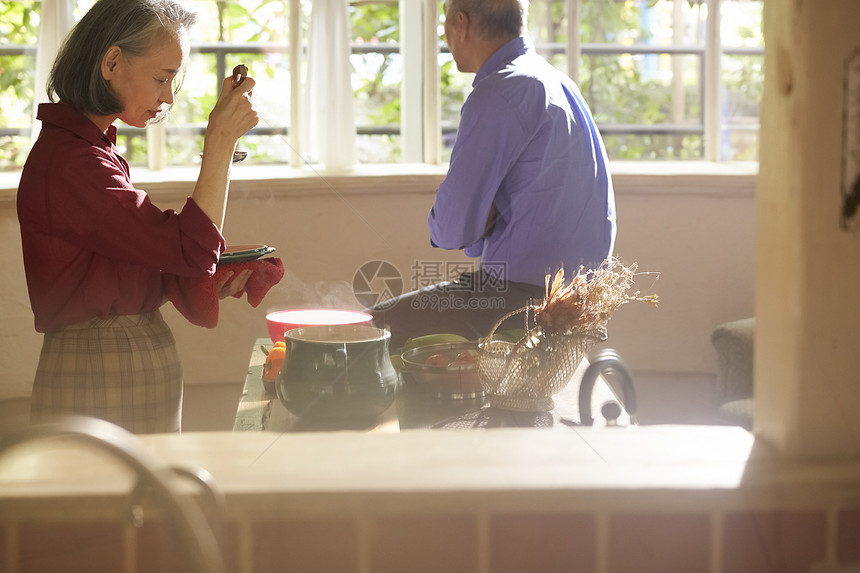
point(279, 322)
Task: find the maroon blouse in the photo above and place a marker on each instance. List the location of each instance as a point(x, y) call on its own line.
point(94, 246)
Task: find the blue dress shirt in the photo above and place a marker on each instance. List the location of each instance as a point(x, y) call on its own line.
point(527, 143)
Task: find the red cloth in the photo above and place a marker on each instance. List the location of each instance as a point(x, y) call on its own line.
point(197, 298)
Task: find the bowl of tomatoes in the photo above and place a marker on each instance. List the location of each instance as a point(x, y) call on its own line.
point(448, 370)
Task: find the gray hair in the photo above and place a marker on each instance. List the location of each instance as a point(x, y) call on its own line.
point(133, 25)
point(494, 18)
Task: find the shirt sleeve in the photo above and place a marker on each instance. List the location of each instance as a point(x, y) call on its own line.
point(91, 203)
point(489, 141)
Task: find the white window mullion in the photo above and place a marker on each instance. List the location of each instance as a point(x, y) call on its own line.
point(411, 92)
point(156, 146)
point(574, 48)
point(712, 80)
point(295, 48)
point(432, 86)
point(678, 89)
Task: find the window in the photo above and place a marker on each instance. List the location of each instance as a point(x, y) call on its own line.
point(664, 78)
point(226, 34)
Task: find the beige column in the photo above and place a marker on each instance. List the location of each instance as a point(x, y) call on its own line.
point(807, 372)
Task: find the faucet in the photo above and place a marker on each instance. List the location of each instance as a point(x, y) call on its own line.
point(606, 361)
point(195, 532)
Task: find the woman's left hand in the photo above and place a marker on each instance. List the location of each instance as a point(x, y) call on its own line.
point(232, 284)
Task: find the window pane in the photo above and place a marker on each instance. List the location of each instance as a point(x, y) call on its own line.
point(742, 71)
point(637, 22)
point(252, 32)
point(643, 89)
point(82, 7)
point(455, 88)
point(16, 108)
point(19, 27)
point(376, 84)
point(741, 23)
point(13, 150)
point(131, 142)
point(19, 22)
point(377, 72)
point(641, 73)
point(240, 21)
point(655, 146)
point(547, 24)
point(650, 94)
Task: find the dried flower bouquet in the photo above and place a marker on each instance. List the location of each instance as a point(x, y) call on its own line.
point(589, 299)
point(570, 320)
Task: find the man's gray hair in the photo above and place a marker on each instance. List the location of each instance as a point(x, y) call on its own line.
point(493, 18)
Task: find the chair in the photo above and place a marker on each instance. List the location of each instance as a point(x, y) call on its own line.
point(734, 343)
point(199, 535)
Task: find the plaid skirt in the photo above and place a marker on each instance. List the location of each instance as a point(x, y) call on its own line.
point(124, 369)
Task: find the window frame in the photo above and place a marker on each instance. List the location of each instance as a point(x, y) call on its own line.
point(420, 126)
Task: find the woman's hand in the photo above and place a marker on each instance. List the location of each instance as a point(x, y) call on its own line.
point(228, 287)
point(234, 113)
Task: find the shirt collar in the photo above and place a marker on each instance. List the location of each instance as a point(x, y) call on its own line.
point(68, 118)
point(507, 53)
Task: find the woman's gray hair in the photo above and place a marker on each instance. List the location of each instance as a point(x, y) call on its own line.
point(133, 25)
point(494, 18)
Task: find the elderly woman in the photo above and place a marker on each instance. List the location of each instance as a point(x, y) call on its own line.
point(96, 250)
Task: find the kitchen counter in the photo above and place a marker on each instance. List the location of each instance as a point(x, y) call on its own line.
point(415, 409)
point(607, 499)
point(666, 498)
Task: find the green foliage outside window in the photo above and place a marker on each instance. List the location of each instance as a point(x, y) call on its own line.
point(19, 25)
point(376, 78)
point(620, 90)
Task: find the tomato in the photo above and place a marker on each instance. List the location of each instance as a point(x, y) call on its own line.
point(437, 360)
point(464, 358)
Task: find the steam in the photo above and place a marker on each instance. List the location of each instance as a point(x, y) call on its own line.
point(294, 293)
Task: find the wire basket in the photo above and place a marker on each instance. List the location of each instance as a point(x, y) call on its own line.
point(525, 375)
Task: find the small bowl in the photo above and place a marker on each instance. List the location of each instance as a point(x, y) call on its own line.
point(279, 322)
point(437, 369)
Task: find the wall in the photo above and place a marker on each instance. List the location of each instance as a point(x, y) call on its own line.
point(806, 359)
point(695, 229)
point(740, 540)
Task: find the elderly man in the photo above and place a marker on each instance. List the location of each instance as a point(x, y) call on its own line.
point(528, 189)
